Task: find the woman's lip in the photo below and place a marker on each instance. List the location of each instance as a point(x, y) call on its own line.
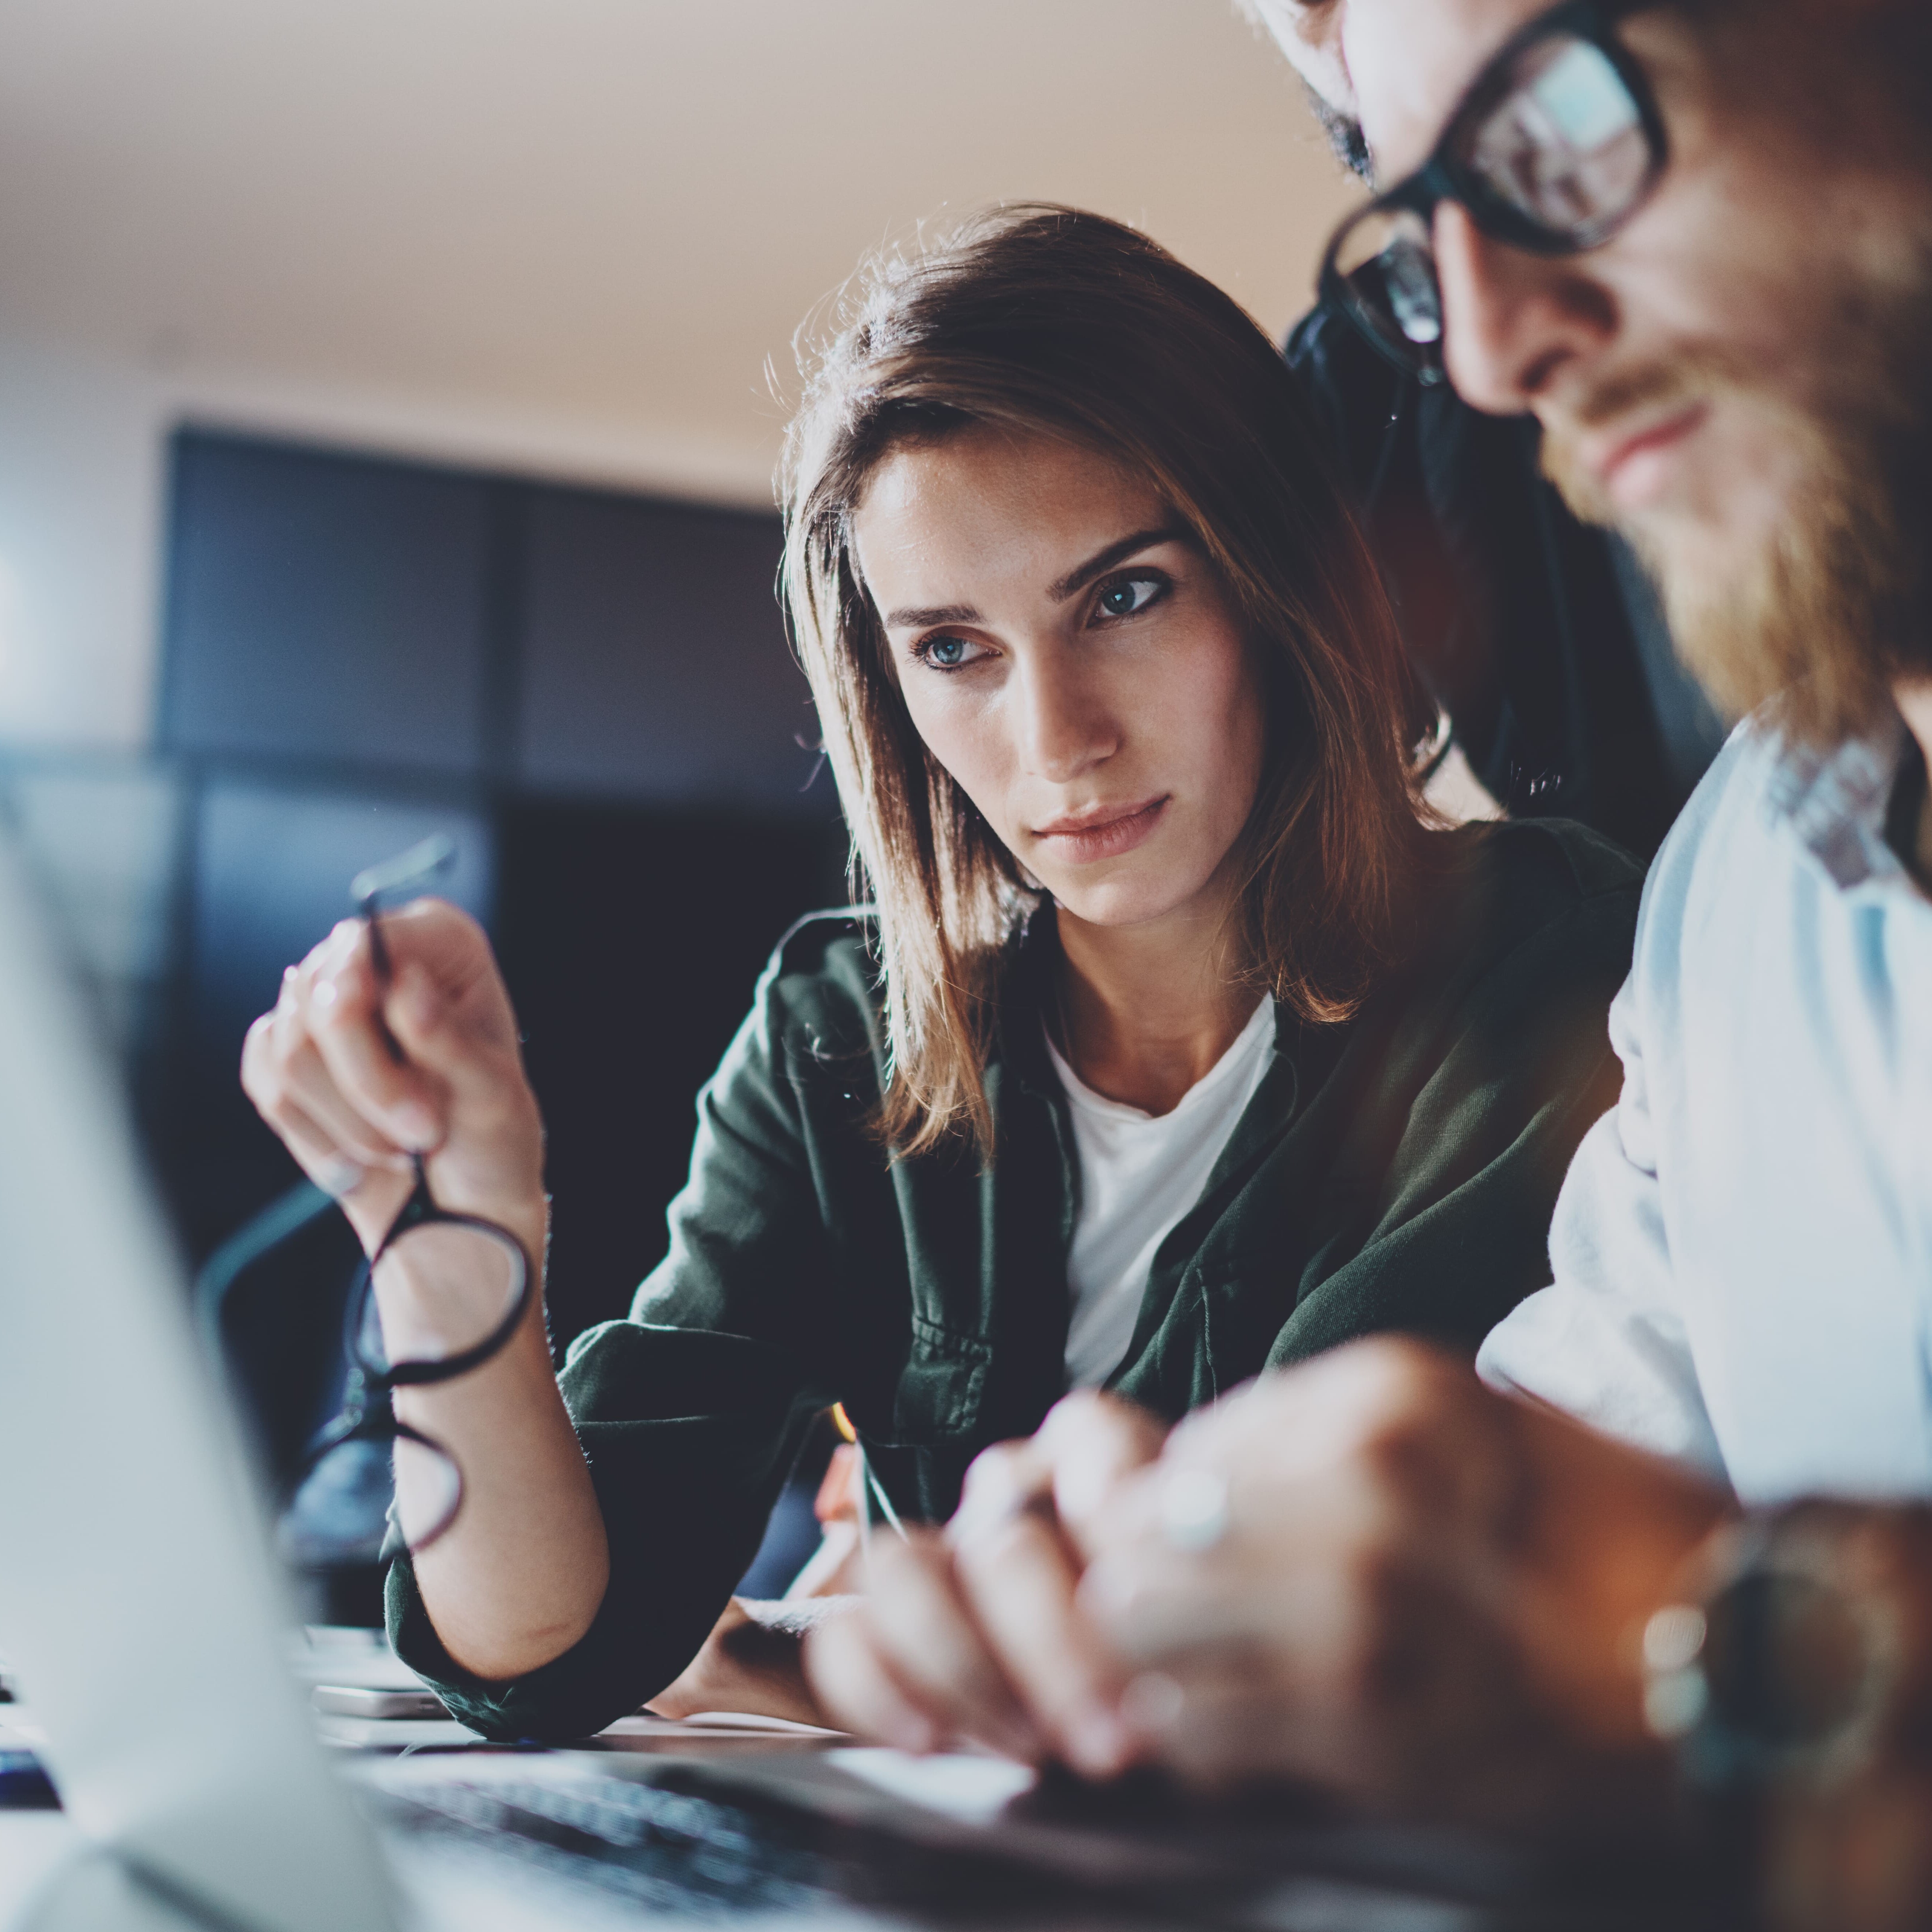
point(1084, 839)
point(1632, 469)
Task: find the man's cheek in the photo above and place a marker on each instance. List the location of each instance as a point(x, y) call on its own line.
point(1744, 475)
point(1740, 482)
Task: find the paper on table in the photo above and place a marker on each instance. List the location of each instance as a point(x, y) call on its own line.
point(972, 1788)
point(360, 1659)
point(747, 1721)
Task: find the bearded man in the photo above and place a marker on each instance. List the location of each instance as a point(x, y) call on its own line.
point(1679, 1540)
point(1539, 637)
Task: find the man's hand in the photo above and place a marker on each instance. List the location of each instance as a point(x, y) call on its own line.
point(975, 1635)
point(1371, 1573)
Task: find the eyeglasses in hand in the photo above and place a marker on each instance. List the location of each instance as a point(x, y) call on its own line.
point(441, 1295)
point(1555, 146)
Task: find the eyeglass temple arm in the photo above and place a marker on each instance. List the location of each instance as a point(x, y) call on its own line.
point(404, 875)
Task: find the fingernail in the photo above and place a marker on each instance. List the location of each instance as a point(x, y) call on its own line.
point(415, 1126)
point(326, 993)
point(338, 1177)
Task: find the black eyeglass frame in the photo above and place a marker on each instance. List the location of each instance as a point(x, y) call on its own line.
point(1442, 178)
point(421, 1211)
point(365, 1415)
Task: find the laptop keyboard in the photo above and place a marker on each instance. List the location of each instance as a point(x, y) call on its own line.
point(675, 1848)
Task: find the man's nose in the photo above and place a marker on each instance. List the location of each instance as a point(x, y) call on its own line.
point(1067, 727)
point(1513, 322)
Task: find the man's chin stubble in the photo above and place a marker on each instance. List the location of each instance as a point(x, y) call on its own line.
point(1810, 613)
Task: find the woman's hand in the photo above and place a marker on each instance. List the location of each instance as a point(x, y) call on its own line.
point(518, 1576)
point(974, 1634)
point(751, 1662)
point(322, 1071)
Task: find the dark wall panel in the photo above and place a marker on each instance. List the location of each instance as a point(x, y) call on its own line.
point(325, 607)
point(631, 941)
point(654, 661)
point(271, 876)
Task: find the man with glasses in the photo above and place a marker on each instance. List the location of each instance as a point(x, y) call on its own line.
point(1695, 243)
point(1538, 636)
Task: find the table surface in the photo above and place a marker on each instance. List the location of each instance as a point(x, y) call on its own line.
point(33, 1843)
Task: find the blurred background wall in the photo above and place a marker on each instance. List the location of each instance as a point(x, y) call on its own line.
point(387, 426)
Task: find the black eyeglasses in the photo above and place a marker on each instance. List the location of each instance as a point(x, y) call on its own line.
point(441, 1295)
point(1557, 143)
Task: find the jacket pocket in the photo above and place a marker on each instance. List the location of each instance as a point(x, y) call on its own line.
point(940, 1387)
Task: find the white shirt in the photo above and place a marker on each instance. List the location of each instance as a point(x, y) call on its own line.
point(1740, 1248)
point(1139, 1174)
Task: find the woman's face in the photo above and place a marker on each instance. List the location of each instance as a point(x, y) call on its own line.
point(1069, 657)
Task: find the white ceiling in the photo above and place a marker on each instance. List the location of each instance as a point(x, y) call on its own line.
point(606, 213)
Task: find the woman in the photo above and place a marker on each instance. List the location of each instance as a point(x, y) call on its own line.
point(1174, 1044)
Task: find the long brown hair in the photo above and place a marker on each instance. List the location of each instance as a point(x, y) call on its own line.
point(1045, 319)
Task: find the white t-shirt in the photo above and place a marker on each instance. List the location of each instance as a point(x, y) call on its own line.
point(1139, 1174)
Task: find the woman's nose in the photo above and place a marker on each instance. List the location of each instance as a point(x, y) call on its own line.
point(1065, 725)
point(1511, 321)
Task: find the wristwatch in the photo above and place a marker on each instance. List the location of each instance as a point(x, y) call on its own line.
point(1777, 1665)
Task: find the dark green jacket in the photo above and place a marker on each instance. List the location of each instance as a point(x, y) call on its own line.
point(1397, 1172)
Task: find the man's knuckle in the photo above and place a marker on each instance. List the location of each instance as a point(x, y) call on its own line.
point(1409, 1404)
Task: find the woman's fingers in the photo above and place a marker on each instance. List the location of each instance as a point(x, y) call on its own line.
point(307, 1082)
point(424, 1022)
point(370, 1190)
point(324, 1163)
point(423, 1063)
point(922, 1623)
point(345, 1022)
point(1019, 1577)
point(283, 1074)
point(858, 1690)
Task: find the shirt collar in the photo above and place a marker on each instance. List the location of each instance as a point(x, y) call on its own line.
point(1834, 801)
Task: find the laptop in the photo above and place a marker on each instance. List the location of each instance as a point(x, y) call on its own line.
point(148, 1629)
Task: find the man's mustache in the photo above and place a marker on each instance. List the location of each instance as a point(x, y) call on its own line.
point(1658, 389)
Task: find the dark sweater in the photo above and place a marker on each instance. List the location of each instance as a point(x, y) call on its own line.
point(1395, 1172)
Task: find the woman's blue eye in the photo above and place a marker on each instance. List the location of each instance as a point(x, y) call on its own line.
point(948, 653)
point(1131, 594)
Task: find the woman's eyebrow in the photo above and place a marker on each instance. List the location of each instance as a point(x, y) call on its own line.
point(916, 617)
point(1062, 588)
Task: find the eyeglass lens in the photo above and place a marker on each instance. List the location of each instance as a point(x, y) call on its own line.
point(341, 1514)
point(441, 1289)
point(1561, 146)
point(1564, 146)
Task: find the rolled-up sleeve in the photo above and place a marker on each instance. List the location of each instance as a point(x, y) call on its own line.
point(689, 1412)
